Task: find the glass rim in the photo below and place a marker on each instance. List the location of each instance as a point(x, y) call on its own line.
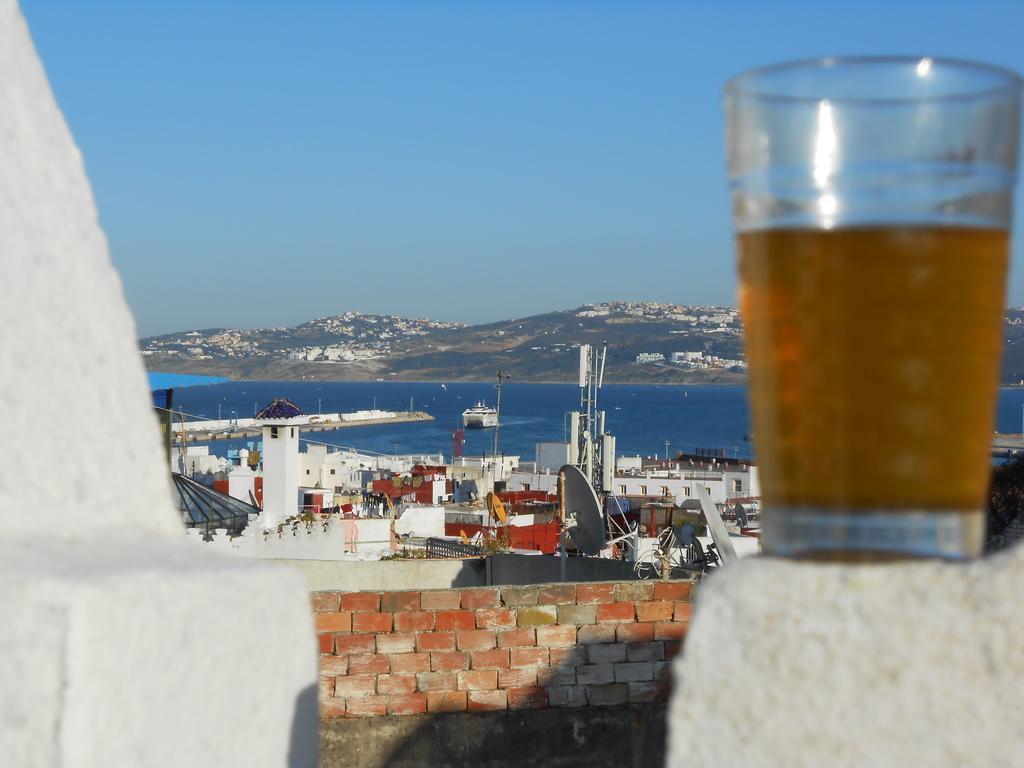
point(744, 84)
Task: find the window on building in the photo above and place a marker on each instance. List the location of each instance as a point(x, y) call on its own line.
point(332, 471)
point(686, 491)
point(273, 432)
point(307, 471)
point(664, 490)
point(643, 490)
point(526, 486)
point(293, 432)
point(737, 486)
point(622, 490)
point(707, 489)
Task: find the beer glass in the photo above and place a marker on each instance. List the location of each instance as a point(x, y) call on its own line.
point(872, 201)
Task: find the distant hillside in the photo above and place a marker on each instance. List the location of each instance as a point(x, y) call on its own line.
point(647, 342)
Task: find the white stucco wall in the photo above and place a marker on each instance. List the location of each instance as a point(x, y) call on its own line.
point(120, 644)
point(794, 665)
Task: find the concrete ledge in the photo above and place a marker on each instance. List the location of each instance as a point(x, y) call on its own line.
point(602, 737)
point(799, 664)
point(140, 651)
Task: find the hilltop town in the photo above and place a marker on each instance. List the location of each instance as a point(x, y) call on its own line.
point(648, 342)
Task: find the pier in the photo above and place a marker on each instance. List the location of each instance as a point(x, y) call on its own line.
point(1007, 445)
point(201, 432)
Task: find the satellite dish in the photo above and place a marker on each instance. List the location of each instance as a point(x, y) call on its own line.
point(741, 515)
point(715, 525)
point(581, 511)
point(496, 508)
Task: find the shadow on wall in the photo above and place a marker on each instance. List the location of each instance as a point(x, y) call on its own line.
point(305, 727)
point(621, 736)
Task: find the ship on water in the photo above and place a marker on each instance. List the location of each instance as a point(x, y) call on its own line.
point(480, 416)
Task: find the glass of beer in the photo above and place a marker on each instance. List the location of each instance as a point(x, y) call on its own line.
point(872, 200)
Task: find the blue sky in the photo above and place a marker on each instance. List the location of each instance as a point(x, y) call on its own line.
point(263, 163)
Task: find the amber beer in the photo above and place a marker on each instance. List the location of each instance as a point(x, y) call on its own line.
point(874, 357)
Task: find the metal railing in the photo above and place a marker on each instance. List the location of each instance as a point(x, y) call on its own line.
point(446, 548)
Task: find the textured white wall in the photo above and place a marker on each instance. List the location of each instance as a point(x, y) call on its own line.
point(792, 664)
point(120, 643)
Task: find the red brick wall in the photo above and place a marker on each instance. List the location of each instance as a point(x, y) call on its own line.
point(591, 644)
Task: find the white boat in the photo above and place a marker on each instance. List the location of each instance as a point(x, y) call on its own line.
point(479, 416)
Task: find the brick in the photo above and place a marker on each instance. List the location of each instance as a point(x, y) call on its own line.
point(496, 618)
point(607, 695)
point(400, 601)
point(587, 594)
point(371, 622)
point(673, 590)
point(435, 641)
point(332, 707)
point(449, 621)
point(478, 680)
point(557, 636)
point(567, 696)
point(441, 600)
point(516, 596)
point(396, 684)
point(633, 591)
point(634, 633)
point(683, 612)
point(409, 663)
point(555, 676)
point(355, 644)
point(436, 681)
point(396, 643)
point(598, 633)
point(606, 654)
point(663, 671)
point(595, 674)
point(441, 661)
point(557, 594)
point(476, 640)
point(479, 598)
point(517, 638)
point(331, 666)
point(645, 651)
point(486, 701)
point(368, 664)
point(325, 642)
point(355, 685)
point(334, 622)
point(527, 698)
point(517, 677)
point(361, 602)
point(615, 612)
point(568, 657)
point(497, 659)
point(532, 616)
point(367, 706)
point(669, 630)
point(645, 692)
point(407, 704)
point(414, 621)
point(528, 657)
point(672, 648)
point(326, 602)
point(446, 701)
point(655, 611)
point(634, 672)
point(449, 659)
point(325, 689)
point(577, 614)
